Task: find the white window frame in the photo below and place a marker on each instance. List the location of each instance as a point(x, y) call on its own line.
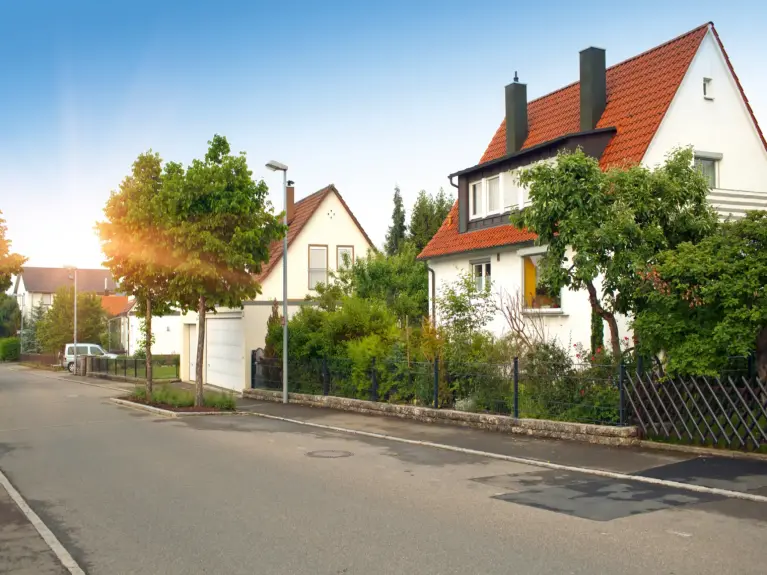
point(536, 251)
point(484, 265)
point(339, 257)
point(499, 199)
point(483, 211)
point(475, 212)
point(713, 157)
point(310, 269)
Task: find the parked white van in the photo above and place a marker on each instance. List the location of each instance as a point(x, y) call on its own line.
point(68, 359)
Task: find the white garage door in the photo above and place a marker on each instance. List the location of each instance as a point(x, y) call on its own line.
point(225, 361)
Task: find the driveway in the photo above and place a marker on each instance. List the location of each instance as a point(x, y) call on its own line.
point(127, 492)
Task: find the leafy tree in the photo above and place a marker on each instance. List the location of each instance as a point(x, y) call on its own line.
point(220, 226)
point(10, 315)
point(10, 263)
point(615, 223)
point(395, 237)
point(707, 301)
point(29, 336)
point(398, 280)
point(134, 240)
point(426, 217)
point(56, 328)
point(464, 307)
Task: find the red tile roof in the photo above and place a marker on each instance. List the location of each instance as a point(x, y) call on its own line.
point(114, 304)
point(302, 213)
point(639, 91)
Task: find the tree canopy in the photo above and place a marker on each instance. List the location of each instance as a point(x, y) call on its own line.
point(10, 315)
point(395, 237)
point(707, 301)
point(603, 227)
point(56, 328)
point(426, 217)
point(10, 263)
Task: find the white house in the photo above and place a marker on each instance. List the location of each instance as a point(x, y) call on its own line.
point(681, 93)
point(322, 233)
point(166, 330)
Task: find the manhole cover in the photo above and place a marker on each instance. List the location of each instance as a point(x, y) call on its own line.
point(329, 454)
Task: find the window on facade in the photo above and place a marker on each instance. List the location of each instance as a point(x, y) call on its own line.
point(494, 195)
point(511, 192)
point(537, 296)
point(475, 191)
point(318, 265)
point(707, 167)
point(481, 273)
point(344, 256)
point(708, 89)
point(47, 299)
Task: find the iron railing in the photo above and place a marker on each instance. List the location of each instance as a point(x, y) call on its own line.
point(133, 367)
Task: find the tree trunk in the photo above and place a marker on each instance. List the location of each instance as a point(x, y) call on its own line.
point(615, 340)
point(198, 395)
point(148, 348)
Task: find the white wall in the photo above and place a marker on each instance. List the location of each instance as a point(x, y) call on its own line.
point(571, 326)
point(722, 125)
point(321, 229)
point(166, 331)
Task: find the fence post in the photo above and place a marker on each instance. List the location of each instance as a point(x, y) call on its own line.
point(373, 381)
point(325, 377)
point(640, 365)
point(621, 389)
point(751, 365)
point(135, 368)
point(436, 381)
point(516, 388)
point(125, 368)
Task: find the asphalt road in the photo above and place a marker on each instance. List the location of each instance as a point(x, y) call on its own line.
point(126, 492)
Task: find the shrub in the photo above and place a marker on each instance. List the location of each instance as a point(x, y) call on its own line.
point(177, 397)
point(10, 350)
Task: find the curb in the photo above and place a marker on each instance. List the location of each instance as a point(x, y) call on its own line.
point(533, 462)
point(167, 412)
point(696, 450)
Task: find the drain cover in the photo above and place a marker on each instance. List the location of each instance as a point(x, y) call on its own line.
point(329, 454)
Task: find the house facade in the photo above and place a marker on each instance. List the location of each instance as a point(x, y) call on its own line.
point(681, 93)
point(323, 234)
point(166, 330)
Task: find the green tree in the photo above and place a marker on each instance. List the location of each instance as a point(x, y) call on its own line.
point(398, 280)
point(221, 225)
point(395, 237)
point(56, 329)
point(426, 217)
point(29, 337)
point(601, 228)
point(10, 263)
point(707, 301)
point(135, 243)
point(10, 315)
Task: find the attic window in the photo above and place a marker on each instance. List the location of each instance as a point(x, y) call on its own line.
point(708, 89)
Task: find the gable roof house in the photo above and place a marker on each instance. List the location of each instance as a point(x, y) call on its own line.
point(323, 234)
point(681, 93)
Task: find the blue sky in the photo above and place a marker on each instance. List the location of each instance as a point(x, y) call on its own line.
point(365, 95)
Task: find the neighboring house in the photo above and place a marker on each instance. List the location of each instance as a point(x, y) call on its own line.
point(322, 232)
point(684, 92)
point(166, 329)
point(34, 286)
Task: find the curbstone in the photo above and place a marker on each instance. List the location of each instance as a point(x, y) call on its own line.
point(167, 412)
point(601, 434)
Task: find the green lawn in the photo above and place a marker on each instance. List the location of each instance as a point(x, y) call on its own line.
point(137, 369)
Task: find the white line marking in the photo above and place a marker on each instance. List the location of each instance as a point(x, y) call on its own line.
point(58, 549)
point(534, 462)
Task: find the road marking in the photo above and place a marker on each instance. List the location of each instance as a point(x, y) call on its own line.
point(533, 462)
point(50, 539)
point(679, 533)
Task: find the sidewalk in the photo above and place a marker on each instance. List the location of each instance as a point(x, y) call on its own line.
point(22, 549)
point(719, 472)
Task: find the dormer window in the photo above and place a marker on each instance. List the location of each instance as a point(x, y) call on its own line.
point(485, 197)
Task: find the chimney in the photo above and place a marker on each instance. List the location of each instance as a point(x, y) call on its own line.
point(291, 204)
point(516, 115)
point(593, 87)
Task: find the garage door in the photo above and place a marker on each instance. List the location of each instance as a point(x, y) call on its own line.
point(224, 356)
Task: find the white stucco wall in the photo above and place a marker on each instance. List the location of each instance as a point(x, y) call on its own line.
point(166, 331)
point(571, 326)
point(330, 226)
point(721, 125)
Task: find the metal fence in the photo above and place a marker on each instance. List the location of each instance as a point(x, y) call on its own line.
point(47, 360)
point(162, 368)
point(725, 411)
point(582, 394)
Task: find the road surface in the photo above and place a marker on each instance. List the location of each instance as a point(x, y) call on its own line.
point(127, 492)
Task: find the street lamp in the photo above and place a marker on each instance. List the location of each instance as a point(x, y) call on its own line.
point(73, 269)
point(278, 167)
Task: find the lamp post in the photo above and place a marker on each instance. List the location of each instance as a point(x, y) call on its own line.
point(278, 167)
point(73, 269)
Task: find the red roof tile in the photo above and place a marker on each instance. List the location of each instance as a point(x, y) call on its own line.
point(114, 304)
point(303, 211)
point(639, 91)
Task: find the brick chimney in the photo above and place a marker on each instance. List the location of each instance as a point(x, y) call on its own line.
point(516, 115)
point(291, 196)
point(593, 87)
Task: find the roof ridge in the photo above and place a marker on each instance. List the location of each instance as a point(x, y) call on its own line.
point(627, 60)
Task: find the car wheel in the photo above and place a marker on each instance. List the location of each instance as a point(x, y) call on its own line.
point(71, 367)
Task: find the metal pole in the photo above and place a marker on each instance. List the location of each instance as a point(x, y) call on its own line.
point(285, 293)
point(75, 334)
point(516, 388)
point(621, 391)
point(436, 381)
point(21, 334)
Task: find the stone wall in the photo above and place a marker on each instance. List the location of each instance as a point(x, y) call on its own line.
point(603, 434)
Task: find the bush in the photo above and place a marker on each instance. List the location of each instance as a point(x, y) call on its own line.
point(10, 349)
point(177, 397)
